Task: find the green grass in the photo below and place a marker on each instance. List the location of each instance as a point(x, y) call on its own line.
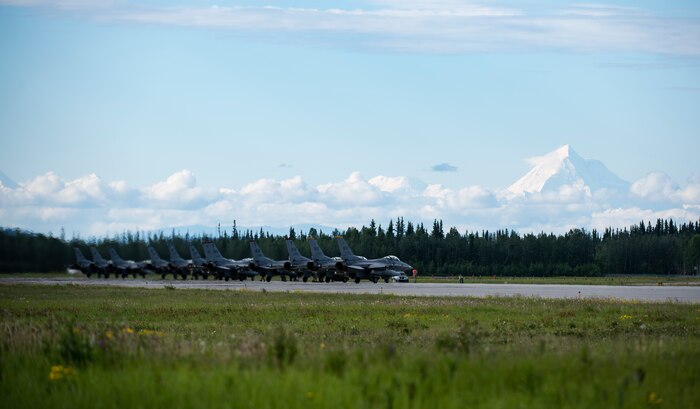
point(142, 348)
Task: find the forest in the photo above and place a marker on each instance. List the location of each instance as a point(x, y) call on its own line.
point(659, 248)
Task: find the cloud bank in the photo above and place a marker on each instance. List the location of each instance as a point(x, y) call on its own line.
point(448, 26)
point(91, 206)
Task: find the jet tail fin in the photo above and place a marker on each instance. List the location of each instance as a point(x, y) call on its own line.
point(174, 255)
point(345, 251)
point(79, 257)
point(256, 252)
point(96, 256)
point(194, 253)
point(293, 251)
point(316, 252)
point(153, 254)
point(210, 250)
point(113, 255)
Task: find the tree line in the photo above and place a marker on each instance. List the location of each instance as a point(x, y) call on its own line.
point(660, 248)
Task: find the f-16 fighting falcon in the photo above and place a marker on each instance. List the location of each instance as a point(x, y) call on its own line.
point(326, 265)
point(359, 267)
point(103, 266)
point(227, 268)
point(125, 267)
point(268, 267)
point(302, 265)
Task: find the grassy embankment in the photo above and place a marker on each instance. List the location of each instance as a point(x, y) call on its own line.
point(72, 347)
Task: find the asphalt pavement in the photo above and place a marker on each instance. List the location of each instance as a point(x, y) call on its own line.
point(685, 294)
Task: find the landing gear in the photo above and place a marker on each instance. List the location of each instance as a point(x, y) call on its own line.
point(345, 279)
point(375, 279)
point(357, 281)
point(328, 279)
point(305, 279)
point(268, 278)
point(386, 280)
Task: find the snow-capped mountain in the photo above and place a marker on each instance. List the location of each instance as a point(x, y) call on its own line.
point(565, 167)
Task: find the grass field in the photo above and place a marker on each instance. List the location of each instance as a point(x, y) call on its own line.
point(70, 346)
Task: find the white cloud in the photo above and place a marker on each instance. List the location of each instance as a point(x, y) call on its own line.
point(353, 191)
point(428, 26)
point(271, 190)
point(656, 186)
point(178, 190)
point(92, 207)
point(393, 184)
point(633, 215)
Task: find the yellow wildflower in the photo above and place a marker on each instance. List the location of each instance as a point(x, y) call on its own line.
point(323, 345)
point(60, 372)
point(309, 395)
point(407, 315)
point(625, 317)
point(56, 372)
point(654, 399)
point(128, 330)
point(150, 332)
point(109, 334)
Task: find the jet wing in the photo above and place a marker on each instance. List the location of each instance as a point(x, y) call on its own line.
point(368, 266)
point(270, 268)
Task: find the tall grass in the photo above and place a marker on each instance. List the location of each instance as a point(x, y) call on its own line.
point(116, 348)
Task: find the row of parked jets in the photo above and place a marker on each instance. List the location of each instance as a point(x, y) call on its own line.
point(318, 268)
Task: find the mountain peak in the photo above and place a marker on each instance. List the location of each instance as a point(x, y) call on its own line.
point(564, 166)
point(563, 151)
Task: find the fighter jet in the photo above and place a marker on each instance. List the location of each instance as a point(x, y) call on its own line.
point(125, 267)
point(85, 266)
point(325, 265)
point(159, 265)
point(268, 267)
point(359, 267)
point(227, 268)
point(179, 264)
point(303, 266)
point(201, 264)
point(103, 266)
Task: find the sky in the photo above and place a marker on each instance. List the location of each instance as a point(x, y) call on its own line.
point(119, 115)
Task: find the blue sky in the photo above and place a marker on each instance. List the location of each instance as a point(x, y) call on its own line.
point(234, 92)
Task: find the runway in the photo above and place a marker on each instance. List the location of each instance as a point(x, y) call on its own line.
point(684, 294)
